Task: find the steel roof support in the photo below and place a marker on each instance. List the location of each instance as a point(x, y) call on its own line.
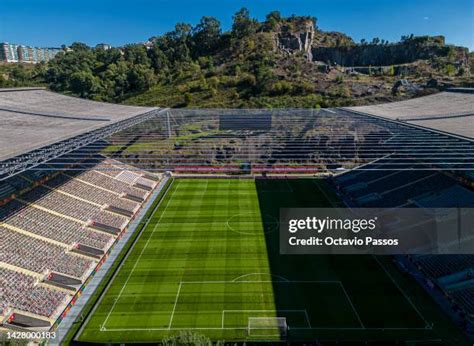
point(36, 157)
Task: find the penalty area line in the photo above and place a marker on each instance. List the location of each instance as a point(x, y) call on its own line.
point(175, 304)
point(352, 305)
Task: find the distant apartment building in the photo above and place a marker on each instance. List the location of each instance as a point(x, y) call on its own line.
point(14, 53)
point(9, 52)
point(25, 54)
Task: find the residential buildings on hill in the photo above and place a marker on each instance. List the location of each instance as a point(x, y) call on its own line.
point(14, 53)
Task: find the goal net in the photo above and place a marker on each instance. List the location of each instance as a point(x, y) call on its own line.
point(267, 326)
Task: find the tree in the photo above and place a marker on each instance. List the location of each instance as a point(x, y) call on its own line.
point(264, 76)
point(181, 34)
point(451, 55)
point(243, 34)
point(187, 338)
point(79, 46)
point(84, 84)
point(158, 58)
point(108, 56)
point(136, 54)
point(407, 38)
point(140, 78)
point(391, 70)
point(175, 44)
point(449, 69)
point(375, 41)
point(3, 82)
point(281, 88)
point(272, 20)
point(243, 25)
point(214, 82)
point(188, 98)
point(20, 73)
point(206, 36)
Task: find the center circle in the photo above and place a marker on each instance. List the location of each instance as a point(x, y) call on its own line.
point(246, 223)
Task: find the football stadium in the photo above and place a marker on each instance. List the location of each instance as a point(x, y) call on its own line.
point(123, 224)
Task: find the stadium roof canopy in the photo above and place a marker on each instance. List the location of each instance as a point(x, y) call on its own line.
point(34, 118)
point(451, 111)
point(38, 126)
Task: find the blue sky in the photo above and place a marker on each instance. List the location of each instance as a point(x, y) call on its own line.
point(56, 22)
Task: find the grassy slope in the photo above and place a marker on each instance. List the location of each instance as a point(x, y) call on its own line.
point(172, 95)
point(190, 240)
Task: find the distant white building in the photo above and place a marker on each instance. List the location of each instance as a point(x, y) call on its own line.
point(148, 44)
point(103, 46)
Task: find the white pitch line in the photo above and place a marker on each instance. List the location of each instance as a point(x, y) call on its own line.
point(245, 328)
point(352, 305)
point(303, 311)
point(307, 319)
point(289, 186)
point(268, 274)
point(174, 306)
point(138, 260)
point(109, 284)
point(166, 329)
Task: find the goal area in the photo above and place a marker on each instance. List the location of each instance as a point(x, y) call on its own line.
point(267, 326)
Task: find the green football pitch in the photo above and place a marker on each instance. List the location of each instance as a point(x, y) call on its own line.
point(208, 262)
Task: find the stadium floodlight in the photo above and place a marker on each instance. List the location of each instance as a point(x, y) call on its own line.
point(267, 326)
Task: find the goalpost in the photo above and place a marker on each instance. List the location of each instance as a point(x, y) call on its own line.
point(267, 326)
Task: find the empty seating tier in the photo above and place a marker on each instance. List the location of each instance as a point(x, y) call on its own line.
point(61, 223)
point(438, 266)
point(465, 298)
point(39, 256)
point(21, 292)
point(90, 193)
point(128, 177)
point(113, 185)
point(72, 207)
point(50, 226)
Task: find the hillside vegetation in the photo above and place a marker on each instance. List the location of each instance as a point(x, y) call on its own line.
point(280, 62)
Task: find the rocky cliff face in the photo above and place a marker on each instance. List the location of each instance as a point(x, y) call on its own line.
point(291, 39)
point(393, 54)
point(335, 48)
